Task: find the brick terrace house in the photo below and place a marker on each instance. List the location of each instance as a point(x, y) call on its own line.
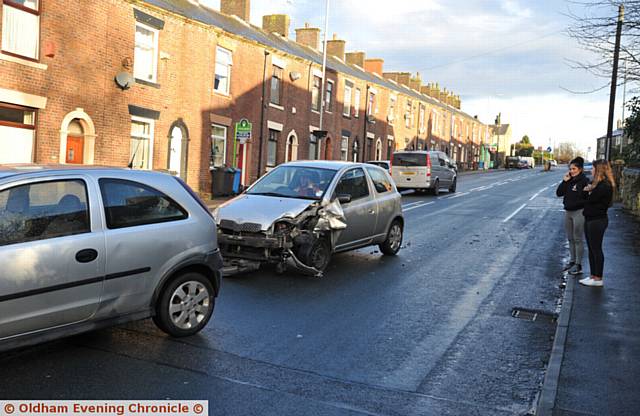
point(160, 84)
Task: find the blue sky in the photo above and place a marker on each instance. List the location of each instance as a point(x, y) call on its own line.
point(508, 56)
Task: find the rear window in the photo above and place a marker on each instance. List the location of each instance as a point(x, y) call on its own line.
point(409, 159)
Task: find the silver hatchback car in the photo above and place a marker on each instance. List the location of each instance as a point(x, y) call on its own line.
point(82, 248)
point(301, 212)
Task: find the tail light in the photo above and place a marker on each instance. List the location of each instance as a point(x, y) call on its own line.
point(428, 165)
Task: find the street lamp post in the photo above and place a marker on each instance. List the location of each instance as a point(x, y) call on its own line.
point(614, 80)
point(321, 134)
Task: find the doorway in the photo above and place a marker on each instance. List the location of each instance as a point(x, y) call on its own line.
point(75, 143)
point(178, 149)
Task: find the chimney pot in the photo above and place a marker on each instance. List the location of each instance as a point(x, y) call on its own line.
point(308, 36)
point(374, 65)
point(356, 58)
point(336, 47)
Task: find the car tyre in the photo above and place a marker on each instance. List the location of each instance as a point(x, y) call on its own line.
point(392, 244)
point(454, 185)
point(318, 254)
point(185, 305)
point(436, 188)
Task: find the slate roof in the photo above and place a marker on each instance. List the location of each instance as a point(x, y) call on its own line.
point(238, 27)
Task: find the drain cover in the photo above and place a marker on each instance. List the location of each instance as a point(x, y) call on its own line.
point(534, 314)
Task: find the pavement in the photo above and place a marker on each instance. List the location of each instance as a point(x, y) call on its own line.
point(600, 369)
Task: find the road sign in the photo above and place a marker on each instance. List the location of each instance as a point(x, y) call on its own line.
point(549, 149)
point(243, 131)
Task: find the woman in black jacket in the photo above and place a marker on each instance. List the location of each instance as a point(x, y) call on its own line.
point(571, 189)
point(599, 196)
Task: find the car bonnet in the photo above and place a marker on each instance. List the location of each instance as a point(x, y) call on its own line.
point(261, 209)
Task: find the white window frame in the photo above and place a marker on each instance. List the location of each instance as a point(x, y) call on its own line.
point(346, 109)
point(344, 148)
point(154, 69)
point(223, 51)
point(275, 143)
point(317, 103)
point(393, 101)
point(5, 37)
point(224, 148)
point(152, 127)
point(356, 102)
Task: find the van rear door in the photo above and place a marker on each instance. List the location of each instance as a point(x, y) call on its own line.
point(409, 170)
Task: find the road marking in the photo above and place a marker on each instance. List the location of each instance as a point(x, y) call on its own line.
point(412, 203)
point(515, 213)
point(418, 206)
point(456, 195)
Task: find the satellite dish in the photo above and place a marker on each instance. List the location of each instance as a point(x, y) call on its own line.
point(124, 80)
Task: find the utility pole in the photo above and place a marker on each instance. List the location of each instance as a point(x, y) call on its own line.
point(614, 81)
point(624, 103)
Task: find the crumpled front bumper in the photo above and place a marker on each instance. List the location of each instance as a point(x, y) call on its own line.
point(279, 242)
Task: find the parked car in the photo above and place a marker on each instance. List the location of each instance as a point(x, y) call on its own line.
point(300, 213)
point(553, 163)
point(83, 248)
point(588, 168)
point(384, 164)
point(424, 170)
point(523, 164)
point(512, 162)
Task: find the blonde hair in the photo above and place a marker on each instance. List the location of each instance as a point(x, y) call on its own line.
point(603, 171)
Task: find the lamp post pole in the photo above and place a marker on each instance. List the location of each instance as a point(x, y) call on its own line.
point(319, 134)
point(614, 81)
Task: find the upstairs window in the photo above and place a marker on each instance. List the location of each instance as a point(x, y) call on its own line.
point(276, 86)
point(21, 28)
point(348, 91)
point(145, 61)
point(356, 103)
point(223, 70)
point(315, 93)
point(392, 109)
point(329, 97)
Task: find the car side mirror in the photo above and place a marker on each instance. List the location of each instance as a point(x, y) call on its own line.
point(344, 198)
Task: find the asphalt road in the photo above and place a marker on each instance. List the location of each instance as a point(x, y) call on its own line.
point(427, 332)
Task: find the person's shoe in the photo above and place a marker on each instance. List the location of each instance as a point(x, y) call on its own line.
point(585, 280)
point(592, 282)
point(575, 270)
point(568, 266)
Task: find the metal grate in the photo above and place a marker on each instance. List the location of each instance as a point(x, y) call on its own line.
point(247, 227)
point(534, 315)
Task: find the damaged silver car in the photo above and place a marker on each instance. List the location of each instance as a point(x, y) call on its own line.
point(300, 213)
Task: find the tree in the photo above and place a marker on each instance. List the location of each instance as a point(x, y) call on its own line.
point(631, 153)
point(524, 147)
point(565, 152)
point(594, 29)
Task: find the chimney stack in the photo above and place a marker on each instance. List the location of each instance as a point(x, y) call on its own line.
point(415, 83)
point(374, 65)
point(356, 58)
point(336, 47)
point(240, 8)
point(308, 36)
point(276, 23)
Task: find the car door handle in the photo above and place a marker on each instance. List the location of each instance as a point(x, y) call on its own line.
point(86, 256)
point(372, 212)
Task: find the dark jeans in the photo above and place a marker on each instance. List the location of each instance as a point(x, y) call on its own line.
point(594, 231)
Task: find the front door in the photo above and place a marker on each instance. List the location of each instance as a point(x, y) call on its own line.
point(175, 151)
point(52, 256)
point(75, 150)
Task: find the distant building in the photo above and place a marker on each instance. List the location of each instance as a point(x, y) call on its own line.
point(500, 140)
point(618, 143)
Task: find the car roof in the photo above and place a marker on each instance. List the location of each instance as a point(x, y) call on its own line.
point(323, 164)
point(12, 170)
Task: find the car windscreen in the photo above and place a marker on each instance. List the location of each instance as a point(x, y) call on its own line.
point(410, 159)
point(294, 182)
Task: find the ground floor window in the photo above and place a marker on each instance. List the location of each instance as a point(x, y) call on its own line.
point(272, 148)
point(344, 148)
point(141, 143)
point(218, 145)
point(17, 133)
point(313, 147)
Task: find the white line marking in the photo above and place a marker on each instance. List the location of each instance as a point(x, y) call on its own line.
point(457, 195)
point(417, 206)
point(412, 203)
point(534, 196)
point(515, 213)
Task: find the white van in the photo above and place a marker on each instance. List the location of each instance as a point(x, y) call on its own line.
point(423, 170)
point(531, 162)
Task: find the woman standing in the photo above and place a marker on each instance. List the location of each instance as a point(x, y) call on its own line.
point(599, 196)
point(571, 189)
